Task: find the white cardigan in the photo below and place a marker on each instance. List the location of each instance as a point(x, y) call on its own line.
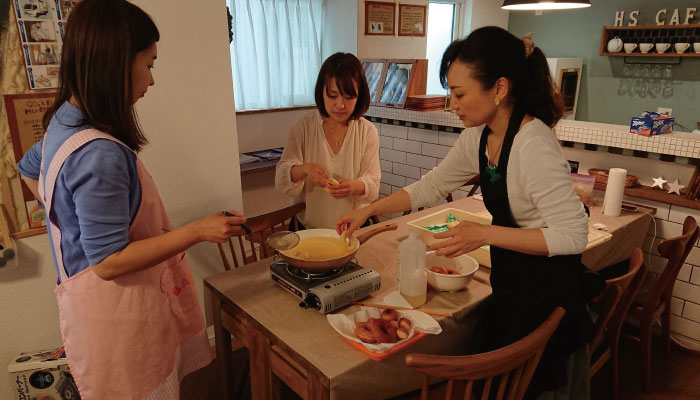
point(358, 159)
point(540, 192)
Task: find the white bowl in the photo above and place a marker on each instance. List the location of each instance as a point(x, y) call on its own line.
point(465, 265)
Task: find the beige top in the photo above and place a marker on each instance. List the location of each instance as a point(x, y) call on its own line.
point(358, 159)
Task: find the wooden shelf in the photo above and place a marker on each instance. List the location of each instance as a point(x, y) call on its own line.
point(651, 34)
point(636, 53)
point(655, 194)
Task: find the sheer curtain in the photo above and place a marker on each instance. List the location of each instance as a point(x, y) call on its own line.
point(276, 52)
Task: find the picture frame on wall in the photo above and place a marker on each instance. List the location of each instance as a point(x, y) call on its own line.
point(411, 20)
point(397, 81)
point(375, 69)
point(380, 18)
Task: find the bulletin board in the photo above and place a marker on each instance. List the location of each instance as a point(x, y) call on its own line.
point(40, 24)
point(380, 18)
point(24, 117)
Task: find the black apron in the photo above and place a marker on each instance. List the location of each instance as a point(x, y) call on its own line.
point(527, 288)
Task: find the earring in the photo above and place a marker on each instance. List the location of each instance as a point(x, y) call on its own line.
point(496, 101)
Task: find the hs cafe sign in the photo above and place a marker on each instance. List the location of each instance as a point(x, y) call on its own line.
point(662, 16)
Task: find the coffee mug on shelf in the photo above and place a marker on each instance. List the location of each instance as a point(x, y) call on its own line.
point(662, 47)
point(629, 47)
point(681, 47)
point(696, 47)
point(645, 47)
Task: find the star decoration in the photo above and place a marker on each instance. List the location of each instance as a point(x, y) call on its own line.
point(675, 187)
point(659, 182)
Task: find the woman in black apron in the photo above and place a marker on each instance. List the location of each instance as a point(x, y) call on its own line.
point(503, 92)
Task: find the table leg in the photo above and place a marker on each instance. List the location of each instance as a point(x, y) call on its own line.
point(260, 370)
point(224, 355)
point(316, 389)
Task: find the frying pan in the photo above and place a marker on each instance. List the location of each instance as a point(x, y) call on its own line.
point(323, 265)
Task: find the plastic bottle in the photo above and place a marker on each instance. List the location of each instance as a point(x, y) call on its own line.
point(413, 279)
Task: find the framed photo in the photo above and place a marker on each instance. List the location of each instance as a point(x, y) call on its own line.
point(380, 18)
point(397, 81)
point(374, 73)
point(411, 20)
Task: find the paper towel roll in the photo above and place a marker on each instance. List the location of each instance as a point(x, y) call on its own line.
point(614, 192)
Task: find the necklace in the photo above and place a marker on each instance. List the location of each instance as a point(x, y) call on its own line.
point(337, 139)
point(493, 161)
point(492, 167)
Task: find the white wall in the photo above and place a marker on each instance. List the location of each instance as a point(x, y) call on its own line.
point(193, 157)
point(485, 13)
point(266, 130)
point(374, 46)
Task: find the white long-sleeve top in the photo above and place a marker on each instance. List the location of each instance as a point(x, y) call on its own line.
point(358, 159)
point(540, 192)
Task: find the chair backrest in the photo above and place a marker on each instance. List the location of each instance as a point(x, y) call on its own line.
point(474, 182)
point(261, 227)
point(613, 305)
point(514, 364)
point(676, 250)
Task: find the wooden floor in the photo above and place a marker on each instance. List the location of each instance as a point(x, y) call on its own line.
point(673, 378)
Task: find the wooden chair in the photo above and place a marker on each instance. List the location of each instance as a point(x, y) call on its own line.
point(514, 363)
point(612, 306)
point(655, 303)
point(474, 182)
point(261, 227)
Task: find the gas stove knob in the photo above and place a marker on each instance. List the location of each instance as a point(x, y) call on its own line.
point(311, 301)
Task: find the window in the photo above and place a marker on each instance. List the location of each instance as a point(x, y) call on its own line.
point(275, 52)
point(441, 32)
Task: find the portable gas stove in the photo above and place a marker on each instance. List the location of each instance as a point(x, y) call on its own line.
point(326, 291)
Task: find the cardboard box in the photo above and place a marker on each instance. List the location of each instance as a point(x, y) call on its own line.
point(482, 254)
point(42, 375)
point(651, 123)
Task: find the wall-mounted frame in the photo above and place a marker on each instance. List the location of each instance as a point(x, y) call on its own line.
point(374, 73)
point(411, 20)
point(380, 18)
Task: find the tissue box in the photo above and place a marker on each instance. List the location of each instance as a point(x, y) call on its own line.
point(42, 375)
point(651, 123)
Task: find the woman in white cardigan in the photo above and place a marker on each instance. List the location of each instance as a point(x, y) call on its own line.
point(331, 159)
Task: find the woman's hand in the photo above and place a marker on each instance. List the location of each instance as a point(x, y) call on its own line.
point(347, 187)
point(217, 228)
point(352, 220)
point(463, 238)
point(317, 173)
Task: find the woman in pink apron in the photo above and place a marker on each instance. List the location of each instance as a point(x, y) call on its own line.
point(129, 315)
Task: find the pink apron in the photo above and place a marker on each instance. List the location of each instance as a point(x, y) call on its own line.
point(136, 336)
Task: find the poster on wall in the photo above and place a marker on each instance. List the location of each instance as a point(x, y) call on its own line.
point(411, 20)
point(379, 18)
point(24, 114)
point(40, 27)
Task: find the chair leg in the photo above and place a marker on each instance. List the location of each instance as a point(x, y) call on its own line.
point(666, 330)
point(616, 384)
point(645, 342)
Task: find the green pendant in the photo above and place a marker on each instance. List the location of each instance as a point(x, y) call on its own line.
point(494, 175)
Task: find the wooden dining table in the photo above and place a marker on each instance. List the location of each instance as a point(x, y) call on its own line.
point(298, 346)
